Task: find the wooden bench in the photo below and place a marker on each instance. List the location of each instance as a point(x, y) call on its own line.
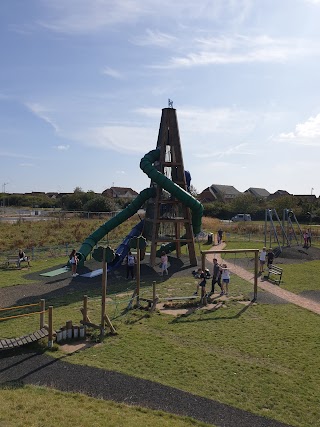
point(13, 260)
point(274, 270)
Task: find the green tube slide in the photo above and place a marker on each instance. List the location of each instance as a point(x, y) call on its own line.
point(183, 196)
point(114, 222)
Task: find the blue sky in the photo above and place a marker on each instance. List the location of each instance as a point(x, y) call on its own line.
point(83, 83)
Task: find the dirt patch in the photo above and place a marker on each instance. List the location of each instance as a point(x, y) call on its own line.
point(77, 346)
point(178, 311)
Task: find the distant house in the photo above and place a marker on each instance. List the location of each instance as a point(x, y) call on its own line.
point(223, 193)
point(52, 195)
point(120, 192)
point(277, 194)
point(206, 196)
point(35, 193)
point(259, 193)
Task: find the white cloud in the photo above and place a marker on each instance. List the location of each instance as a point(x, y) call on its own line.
point(154, 38)
point(62, 147)
point(209, 121)
point(307, 133)
point(17, 155)
point(26, 165)
point(108, 71)
point(123, 139)
point(81, 16)
point(43, 113)
point(237, 49)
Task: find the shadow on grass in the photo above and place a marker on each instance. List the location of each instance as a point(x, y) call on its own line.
point(184, 317)
point(67, 290)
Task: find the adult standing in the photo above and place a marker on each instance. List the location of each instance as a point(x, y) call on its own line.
point(216, 275)
point(219, 235)
point(309, 237)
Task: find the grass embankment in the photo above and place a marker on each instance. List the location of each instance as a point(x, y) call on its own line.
point(37, 406)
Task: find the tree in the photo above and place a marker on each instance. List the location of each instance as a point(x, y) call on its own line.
point(100, 204)
point(245, 203)
point(193, 191)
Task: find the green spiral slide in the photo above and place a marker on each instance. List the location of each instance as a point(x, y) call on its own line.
point(147, 167)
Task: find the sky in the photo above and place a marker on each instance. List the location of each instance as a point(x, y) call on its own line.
point(83, 84)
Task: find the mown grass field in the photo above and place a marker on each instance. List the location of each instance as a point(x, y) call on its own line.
point(262, 358)
point(37, 406)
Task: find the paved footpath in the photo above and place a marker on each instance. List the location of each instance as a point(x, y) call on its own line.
point(267, 286)
point(43, 370)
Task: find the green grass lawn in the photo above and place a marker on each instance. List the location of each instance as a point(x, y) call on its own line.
point(261, 358)
point(37, 406)
point(14, 276)
point(296, 278)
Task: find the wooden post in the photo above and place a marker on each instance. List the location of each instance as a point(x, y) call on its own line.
point(85, 308)
point(103, 293)
point(203, 261)
point(69, 329)
point(154, 291)
point(256, 267)
point(42, 312)
point(50, 329)
point(138, 273)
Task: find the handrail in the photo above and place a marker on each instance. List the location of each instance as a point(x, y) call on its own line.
point(19, 306)
point(22, 315)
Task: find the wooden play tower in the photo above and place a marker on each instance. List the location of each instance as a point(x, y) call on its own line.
point(169, 220)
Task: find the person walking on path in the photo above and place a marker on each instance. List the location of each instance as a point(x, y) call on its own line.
point(164, 263)
point(216, 275)
point(219, 235)
point(131, 261)
point(74, 263)
point(262, 259)
point(225, 276)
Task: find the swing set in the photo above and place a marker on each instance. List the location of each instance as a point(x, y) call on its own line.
point(288, 226)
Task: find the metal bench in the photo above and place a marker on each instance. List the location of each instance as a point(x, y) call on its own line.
point(276, 271)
